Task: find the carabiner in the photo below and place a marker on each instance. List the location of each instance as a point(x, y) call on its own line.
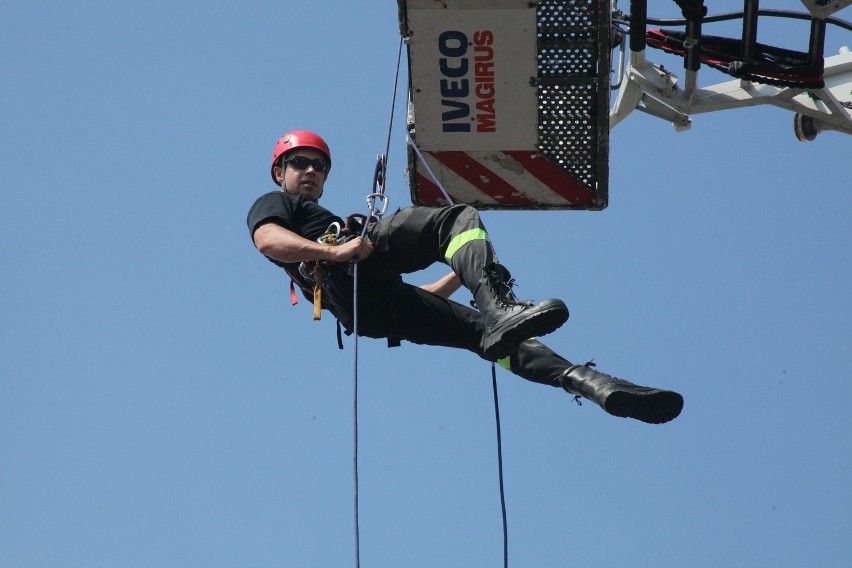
point(371, 203)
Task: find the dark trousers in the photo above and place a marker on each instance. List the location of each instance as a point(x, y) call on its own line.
point(410, 240)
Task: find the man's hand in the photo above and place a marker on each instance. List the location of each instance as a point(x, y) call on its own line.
point(358, 248)
point(282, 244)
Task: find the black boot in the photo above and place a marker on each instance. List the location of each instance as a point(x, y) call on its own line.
point(621, 398)
point(508, 322)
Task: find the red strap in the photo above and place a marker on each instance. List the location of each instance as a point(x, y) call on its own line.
point(294, 298)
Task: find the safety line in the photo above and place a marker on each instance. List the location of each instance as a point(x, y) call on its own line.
point(500, 467)
point(379, 180)
point(392, 110)
point(493, 384)
point(371, 202)
point(428, 169)
point(355, 417)
point(494, 388)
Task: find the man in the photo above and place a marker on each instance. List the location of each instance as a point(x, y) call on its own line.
point(287, 225)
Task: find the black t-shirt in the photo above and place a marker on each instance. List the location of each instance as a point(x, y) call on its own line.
point(295, 213)
point(310, 220)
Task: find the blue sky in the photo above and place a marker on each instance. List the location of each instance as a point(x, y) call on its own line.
point(161, 404)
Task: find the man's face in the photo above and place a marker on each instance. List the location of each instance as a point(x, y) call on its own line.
point(302, 178)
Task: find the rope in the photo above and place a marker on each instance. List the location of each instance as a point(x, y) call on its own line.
point(428, 169)
point(500, 467)
point(379, 186)
point(493, 384)
point(372, 199)
point(392, 110)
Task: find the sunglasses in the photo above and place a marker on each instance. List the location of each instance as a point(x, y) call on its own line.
point(302, 163)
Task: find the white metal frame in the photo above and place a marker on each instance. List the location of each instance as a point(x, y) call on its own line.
point(653, 89)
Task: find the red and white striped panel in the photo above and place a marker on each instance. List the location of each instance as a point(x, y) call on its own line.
point(512, 179)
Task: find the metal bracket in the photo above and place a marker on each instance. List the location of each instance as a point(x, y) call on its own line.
point(652, 89)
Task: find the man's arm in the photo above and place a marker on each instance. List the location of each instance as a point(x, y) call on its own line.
point(284, 245)
point(445, 287)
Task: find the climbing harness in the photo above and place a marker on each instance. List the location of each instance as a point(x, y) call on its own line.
point(316, 271)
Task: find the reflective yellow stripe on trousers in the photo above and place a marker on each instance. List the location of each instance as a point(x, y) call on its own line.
point(462, 239)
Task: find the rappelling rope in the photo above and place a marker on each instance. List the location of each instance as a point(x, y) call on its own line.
point(429, 170)
point(372, 202)
point(493, 383)
point(376, 212)
point(500, 467)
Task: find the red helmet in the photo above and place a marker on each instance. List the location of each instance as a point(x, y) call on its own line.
point(298, 139)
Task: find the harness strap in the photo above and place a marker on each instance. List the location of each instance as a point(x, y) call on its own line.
point(392, 341)
point(297, 279)
point(311, 275)
point(294, 298)
point(330, 238)
point(319, 275)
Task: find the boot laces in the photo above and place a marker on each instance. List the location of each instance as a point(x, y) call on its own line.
point(502, 284)
point(506, 298)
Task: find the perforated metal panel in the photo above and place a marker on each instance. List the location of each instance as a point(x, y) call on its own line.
point(548, 63)
point(572, 131)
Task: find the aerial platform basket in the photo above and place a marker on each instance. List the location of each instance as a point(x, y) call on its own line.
point(508, 102)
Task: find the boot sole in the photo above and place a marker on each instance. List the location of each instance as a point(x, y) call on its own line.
point(653, 407)
point(542, 319)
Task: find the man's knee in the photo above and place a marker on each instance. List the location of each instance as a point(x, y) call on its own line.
point(466, 213)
